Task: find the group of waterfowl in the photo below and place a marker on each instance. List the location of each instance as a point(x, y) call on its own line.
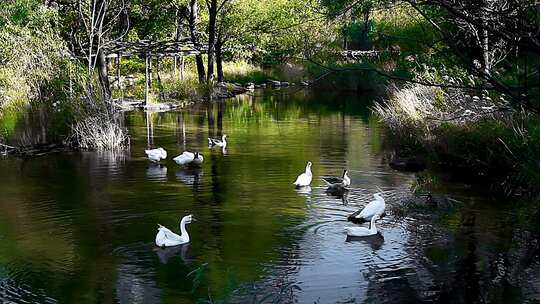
point(335, 185)
point(165, 237)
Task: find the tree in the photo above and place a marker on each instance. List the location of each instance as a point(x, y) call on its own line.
point(93, 25)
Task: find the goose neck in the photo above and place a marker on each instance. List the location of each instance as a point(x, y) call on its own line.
point(372, 227)
point(183, 231)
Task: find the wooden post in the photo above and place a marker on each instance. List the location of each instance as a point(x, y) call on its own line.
point(146, 79)
point(150, 70)
point(182, 67)
point(158, 73)
point(175, 63)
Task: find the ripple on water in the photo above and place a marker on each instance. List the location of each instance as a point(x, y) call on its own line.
point(12, 292)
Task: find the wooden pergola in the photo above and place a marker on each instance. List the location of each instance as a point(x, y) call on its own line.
point(148, 49)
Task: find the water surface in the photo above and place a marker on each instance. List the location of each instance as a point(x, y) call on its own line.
point(79, 227)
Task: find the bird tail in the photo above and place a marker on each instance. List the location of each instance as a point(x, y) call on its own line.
point(327, 182)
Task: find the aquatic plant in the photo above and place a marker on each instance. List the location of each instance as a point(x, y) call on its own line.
point(100, 132)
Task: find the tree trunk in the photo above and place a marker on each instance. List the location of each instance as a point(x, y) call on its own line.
point(485, 52)
point(103, 73)
point(192, 24)
point(219, 60)
point(118, 71)
point(212, 15)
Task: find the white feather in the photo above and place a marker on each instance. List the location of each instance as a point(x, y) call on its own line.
point(305, 178)
point(156, 154)
point(166, 238)
point(188, 158)
point(375, 207)
point(363, 231)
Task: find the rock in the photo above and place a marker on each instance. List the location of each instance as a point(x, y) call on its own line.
point(274, 83)
point(250, 86)
point(263, 85)
point(284, 84)
point(304, 83)
point(221, 85)
point(412, 164)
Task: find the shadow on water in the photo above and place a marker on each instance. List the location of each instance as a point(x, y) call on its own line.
point(80, 227)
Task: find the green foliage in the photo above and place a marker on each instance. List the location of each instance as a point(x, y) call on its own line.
point(32, 55)
point(132, 65)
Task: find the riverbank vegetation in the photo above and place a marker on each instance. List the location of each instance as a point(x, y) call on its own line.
point(462, 76)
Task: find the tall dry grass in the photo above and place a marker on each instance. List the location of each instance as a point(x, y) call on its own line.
point(100, 133)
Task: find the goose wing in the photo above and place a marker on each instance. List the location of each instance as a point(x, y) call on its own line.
point(166, 233)
point(153, 153)
point(333, 179)
point(374, 207)
point(213, 141)
point(184, 158)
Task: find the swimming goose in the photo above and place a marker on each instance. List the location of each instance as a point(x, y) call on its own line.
point(375, 207)
point(156, 155)
point(189, 158)
point(344, 179)
point(166, 238)
point(304, 179)
point(363, 231)
point(218, 142)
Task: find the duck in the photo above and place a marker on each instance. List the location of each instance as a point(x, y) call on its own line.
point(337, 186)
point(343, 180)
point(218, 142)
point(166, 238)
point(189, 159)
point(363, 231)
point(156, 155)
point(304, 179)
point(375, 207)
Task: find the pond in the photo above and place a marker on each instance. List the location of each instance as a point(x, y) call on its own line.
point(79, 227)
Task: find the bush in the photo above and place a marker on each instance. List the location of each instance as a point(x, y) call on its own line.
point(468, 134)
point(100, 132)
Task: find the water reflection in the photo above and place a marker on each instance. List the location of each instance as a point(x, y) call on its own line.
point(374, 241)
point(167, 253)
point(157, 172)
point(189, 176)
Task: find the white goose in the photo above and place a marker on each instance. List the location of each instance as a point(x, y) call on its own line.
point(304, 179)
point(166, 238)
point(375, 207)
point(363, 231)
point(156, 155)
point(218, 142)
point(344, 180)
point(189, 158)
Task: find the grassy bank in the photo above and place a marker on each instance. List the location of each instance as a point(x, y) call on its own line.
point(479, 138)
